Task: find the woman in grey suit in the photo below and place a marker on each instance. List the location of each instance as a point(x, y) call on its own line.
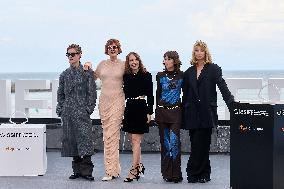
point(76, 98)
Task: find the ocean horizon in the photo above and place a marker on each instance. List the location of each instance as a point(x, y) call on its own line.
point(226, 73)
point(247, 94)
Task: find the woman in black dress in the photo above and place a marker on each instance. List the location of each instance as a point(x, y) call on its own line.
point(138, 89)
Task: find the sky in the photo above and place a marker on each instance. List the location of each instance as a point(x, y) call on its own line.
point(240, 34)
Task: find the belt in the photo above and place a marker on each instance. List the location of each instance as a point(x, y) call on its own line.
point(136, 98)
point(169, 108)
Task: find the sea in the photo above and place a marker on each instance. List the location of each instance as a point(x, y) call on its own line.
point(242, 95)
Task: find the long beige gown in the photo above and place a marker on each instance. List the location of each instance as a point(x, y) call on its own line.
point(111, 110)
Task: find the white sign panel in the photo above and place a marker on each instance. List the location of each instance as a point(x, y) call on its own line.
point(22, 149)
point(5, 98)
point(22, 101)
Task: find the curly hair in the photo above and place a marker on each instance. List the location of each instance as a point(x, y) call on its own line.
point(110, 42)
point(203, 46)
point(173, 55)
point(141, 65)
point(76, 47)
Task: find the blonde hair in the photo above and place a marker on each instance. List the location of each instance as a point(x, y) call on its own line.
point(203, 46)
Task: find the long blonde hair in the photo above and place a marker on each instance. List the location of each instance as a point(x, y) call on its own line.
point(203, 46)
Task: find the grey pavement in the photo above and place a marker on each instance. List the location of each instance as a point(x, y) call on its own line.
point(59, 169)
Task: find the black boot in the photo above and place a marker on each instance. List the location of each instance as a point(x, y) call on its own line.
point(75, 175)
point(76, 167)
point(177, 180)
point(204, 180)
point(88, 177)
point(192, 179)
point(86, 168)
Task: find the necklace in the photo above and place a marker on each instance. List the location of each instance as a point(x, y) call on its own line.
point(174, 75)
point(172, 83)
point(135, 72)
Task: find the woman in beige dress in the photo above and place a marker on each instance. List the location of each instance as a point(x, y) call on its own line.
point(111, 106)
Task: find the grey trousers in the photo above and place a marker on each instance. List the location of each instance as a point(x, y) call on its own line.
point(82, 165)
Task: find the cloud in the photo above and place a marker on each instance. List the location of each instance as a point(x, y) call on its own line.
point(234, 29)
point(254, 20)
point(5, 40)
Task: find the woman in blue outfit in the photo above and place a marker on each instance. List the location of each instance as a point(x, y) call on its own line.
point(168, 116)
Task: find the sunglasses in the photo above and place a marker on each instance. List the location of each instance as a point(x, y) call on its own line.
point(112, 47)
point(71, 54)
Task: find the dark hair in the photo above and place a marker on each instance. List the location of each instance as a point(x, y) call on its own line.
point(141, 66)
point(173, 55)
point(76, 47)
point(110, 42)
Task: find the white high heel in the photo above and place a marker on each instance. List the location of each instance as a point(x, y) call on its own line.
point(108, 178)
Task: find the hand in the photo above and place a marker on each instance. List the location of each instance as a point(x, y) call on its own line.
point(87, 66)
point(149, 118)
point(96, 75)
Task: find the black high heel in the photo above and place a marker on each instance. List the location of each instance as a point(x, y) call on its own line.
point(141, 168)
point(135, 174)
